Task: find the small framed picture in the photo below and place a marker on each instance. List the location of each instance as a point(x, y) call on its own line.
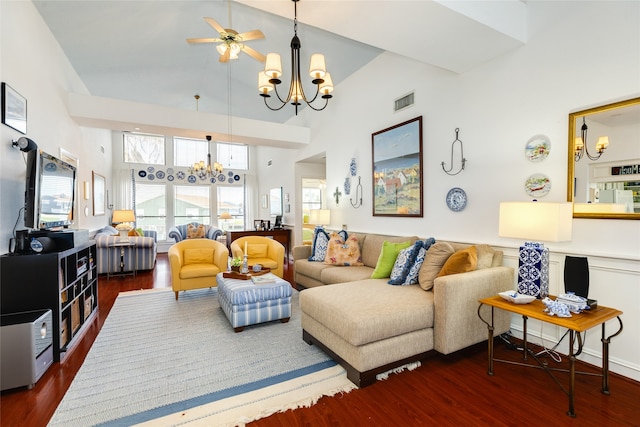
point(14, 109)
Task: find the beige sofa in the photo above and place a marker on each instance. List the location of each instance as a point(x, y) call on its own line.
point(370, 327)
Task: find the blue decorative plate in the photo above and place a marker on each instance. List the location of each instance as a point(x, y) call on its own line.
point(230, 180)
point(150, 169)
point(151, 177)
point(142, 174)
point(169, 177)
point(456, 199)
point(160, 175)
point(192, 179)
point(221, 178)
point(230, 173)
point(236, 177)
point(212, 180)
point(170, 171)
point(50, 167)
point(180, 175)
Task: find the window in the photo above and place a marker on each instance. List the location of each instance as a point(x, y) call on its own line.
point(231, 199)
point(191, 204)
point(142, 148)
point(151, 208)
point(311, 199)
point(233, 156)
point(186, 152)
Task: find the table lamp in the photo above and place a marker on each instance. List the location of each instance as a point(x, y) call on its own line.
point(123, 218)
point(538, 221)
point(226, 216)
point(320, 216)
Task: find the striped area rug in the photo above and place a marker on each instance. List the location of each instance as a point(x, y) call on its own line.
point(162, 362)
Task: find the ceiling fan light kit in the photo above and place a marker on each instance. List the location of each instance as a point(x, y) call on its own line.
point(269, 78)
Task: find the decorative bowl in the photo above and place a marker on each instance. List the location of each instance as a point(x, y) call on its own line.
point(517, 298)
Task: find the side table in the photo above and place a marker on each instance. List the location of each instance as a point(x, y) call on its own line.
point(121, 246)
point(576, 323)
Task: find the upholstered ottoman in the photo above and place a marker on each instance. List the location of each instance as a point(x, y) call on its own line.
point(245, 303)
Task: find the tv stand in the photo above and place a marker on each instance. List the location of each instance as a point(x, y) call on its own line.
point(65, 282)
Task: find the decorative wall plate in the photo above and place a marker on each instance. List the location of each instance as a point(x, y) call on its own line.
point(192, 179)
point(170, 171)
point(180, 175)
point(151, 177)
point(456, 199)
point(169, 177)
point(160, 175)
point(142, 174)
point(222, 178)
point(236, 177)
point(150, 169)
point(537, 148)
point(537, 185)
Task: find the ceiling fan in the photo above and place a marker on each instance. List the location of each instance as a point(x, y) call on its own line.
point(232, 42)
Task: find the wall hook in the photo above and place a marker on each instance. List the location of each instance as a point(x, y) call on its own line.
point(357, 204)
point(462, 159)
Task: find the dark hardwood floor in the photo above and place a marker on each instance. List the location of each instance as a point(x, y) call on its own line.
point(452, 390)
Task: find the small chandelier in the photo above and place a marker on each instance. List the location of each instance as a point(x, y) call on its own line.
point(204, 171)
point(580, 146)
point(269, 78)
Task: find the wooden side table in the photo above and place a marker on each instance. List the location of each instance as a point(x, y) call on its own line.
point(576, 323)
point(121, 246)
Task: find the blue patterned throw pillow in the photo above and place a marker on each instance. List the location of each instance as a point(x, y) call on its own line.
point(319, 245)
point(412, 276)
point(404, 261)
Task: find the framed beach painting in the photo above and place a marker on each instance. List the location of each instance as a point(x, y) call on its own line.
point(397, 170)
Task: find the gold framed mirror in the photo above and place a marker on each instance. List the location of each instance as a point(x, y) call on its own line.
point(603, 176)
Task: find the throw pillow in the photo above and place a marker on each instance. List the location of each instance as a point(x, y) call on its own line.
point(460, 262)
point(343, 252)
point(414, 271)
point(387, 258)
point(485, 256)
point(257, 250)
point(194, 232)
point(434, 259)
point(404, 261)
point(319, 245)
point(198, 256)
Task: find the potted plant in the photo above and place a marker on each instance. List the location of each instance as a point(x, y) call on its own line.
point(236, 263)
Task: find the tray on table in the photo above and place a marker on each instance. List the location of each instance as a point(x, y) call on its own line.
point(243, 276)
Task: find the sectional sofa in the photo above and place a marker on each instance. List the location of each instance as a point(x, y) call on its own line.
point(370, 326)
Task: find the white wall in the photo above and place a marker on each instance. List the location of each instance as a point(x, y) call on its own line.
point(33, 64)
point(565, 66)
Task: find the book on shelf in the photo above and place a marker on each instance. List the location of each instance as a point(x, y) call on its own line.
point(263, 279)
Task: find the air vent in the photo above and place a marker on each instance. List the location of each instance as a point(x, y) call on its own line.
point(404, 102)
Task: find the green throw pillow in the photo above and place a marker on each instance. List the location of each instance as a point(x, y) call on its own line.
point(387, 258)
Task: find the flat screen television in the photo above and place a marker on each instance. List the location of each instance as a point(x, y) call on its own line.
point(50, 193)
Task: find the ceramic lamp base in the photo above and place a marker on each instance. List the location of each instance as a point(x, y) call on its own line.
point(124, 235)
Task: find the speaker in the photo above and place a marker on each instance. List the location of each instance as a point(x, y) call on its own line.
point(576, 275)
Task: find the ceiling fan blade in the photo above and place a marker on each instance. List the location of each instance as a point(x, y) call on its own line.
point(215, 25)
point(205, 40)
point(254, 53)
point(251, 35)
point(225, 56)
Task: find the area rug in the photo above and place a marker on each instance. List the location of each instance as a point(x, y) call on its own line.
point(161, 362)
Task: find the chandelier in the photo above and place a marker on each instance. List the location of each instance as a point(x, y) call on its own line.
point(204, 171)
point(580, 146)
point(269, 78)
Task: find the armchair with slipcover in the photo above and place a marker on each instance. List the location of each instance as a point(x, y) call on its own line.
point(141, 256)
point(179, 232)
point(195, 263)
point(261, 250)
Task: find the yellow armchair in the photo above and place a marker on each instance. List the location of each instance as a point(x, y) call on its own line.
point(261, 250)
point(195, 263)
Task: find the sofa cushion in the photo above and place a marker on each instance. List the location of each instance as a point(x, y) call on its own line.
point(343, 252)
point(406, 258)
point(319, 245)
point(371, 246)
point(333, 275)
point(434, 259)
point(460, 262)
point(369, 310)
point(485, 256)
point(257, 250)
point(198, 256)
point(194, 232)
point(387, 258)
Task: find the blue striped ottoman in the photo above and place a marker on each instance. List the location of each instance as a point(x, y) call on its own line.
point(245, 303)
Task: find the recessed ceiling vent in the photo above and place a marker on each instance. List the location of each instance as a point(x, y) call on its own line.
point(404, 102)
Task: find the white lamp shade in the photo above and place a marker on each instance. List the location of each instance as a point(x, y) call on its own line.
point(327, 86)
point(538, 221)
point(263, 83)
point(579, 143)
point(603, 142)
point(273, 66)
point(317, 67)
point(320, 216)
point(123, 216)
